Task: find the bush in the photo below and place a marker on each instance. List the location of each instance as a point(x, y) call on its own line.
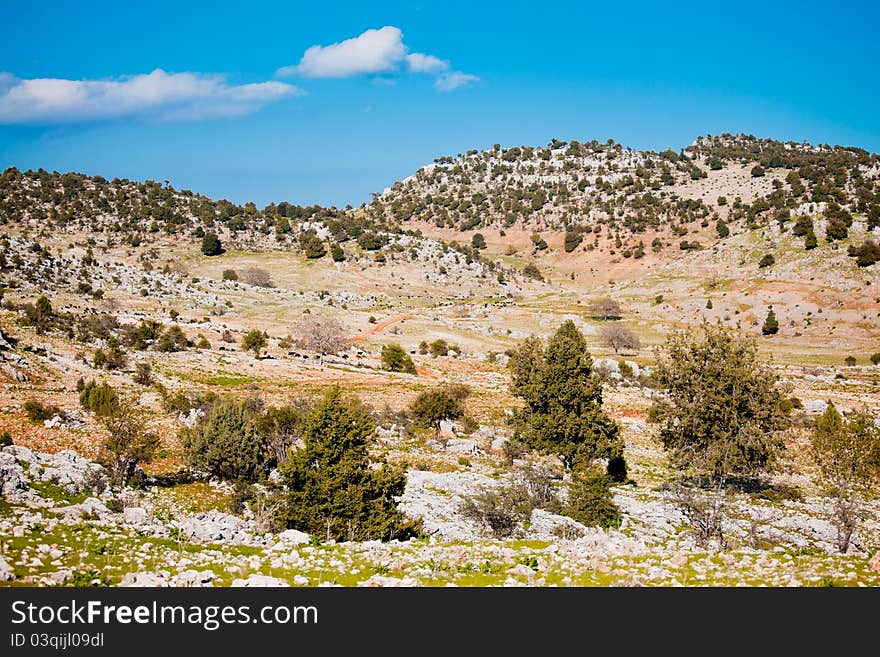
point(875, 358)
point(439, 347)
point(254, 340)
point(396, 359)
point(572, 241)
point(5, 439)
point(143, 374)
point(850, 361)
point(767, 260)
point(37, 411)
point(722, 229)
point(173, 339)
point(257, 277)
point(226, 443)
point(335, 488)
point(500, 511)
point(100, 399)
point(445, 402)
point(590, 501)
point(605, 309)
point(531, 271)
point(321, 334)
point(757, 171)
point(128, 443)
point(866, 254)
point(211, 245)
point(230, 275)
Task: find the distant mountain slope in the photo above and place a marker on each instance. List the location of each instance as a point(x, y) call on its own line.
point(587, 186)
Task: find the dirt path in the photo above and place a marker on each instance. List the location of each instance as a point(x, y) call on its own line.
point(375, 328)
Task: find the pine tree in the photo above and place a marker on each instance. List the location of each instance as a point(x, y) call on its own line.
point(771, 326)
point(334, 488)
point(563, 411)
point(211, 245)
point(810, 241)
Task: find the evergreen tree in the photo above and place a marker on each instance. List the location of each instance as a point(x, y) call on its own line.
point(563, 401)
point(810, 241)
point(771, 326)
point(226, 443)
point(334, 488)
point(397, 360)
point(211, 245)
point(723, 411)
point(255, 341)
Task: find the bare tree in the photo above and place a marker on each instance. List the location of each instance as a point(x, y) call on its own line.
point(604, 308)
point(847, 452)
point(325, 335)
point(619, 338)
point(257, 277)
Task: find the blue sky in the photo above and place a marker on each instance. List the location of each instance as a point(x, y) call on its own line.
point(224, 99)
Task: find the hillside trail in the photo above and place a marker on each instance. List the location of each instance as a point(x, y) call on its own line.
point(375, 328)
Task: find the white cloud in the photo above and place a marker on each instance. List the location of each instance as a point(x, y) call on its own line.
point(419, 63)
point(158, 95)
point(374, 51)
point(454, 80)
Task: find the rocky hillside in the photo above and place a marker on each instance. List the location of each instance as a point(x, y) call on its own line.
point(607, 190)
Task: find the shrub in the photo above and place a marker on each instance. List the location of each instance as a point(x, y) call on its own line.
point(531, 271)
point(334, 487)
point(5, 439)
point(173, 339)
point(226, 443)
point(211, 245)
point(143, 374)
point(320, 334)
point(572, 241)
point(100, 399)
point(230, 275)
point(500, 511)
point(767, 260)
point(128, 443)
point(590, 501)
point(38, 411)
point(722, 229)
point(604, 308)
point(396, 359)
point(757, 171)
point(875, 358)
point(439, 347)
point(850, 361)
point(257, 277)
point(254, 340)
point(846, 451)
point(866, 254)
point(445, 402)
point(337, 253)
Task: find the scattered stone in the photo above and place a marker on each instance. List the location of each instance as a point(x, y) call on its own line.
point(259, 581)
